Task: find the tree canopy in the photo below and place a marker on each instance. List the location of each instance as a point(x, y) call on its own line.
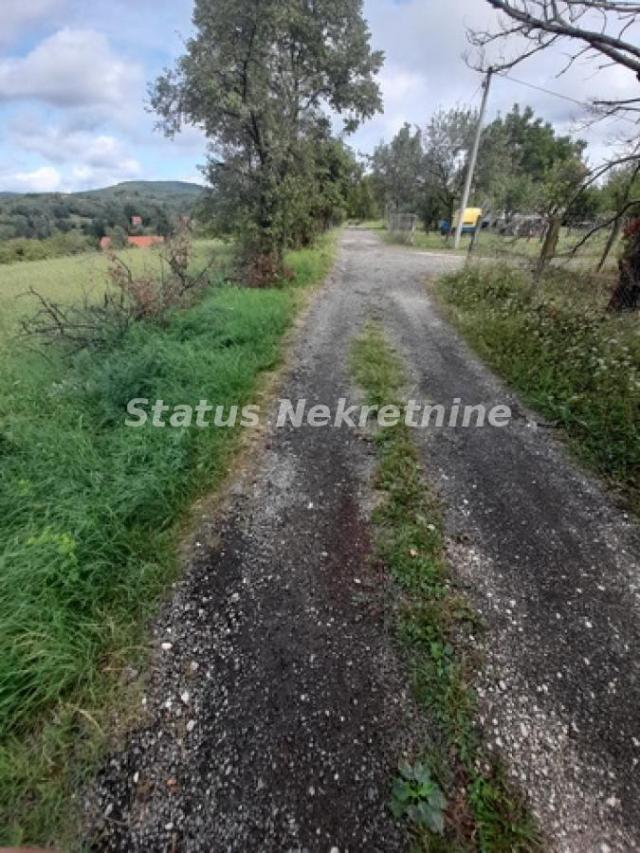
point(522, 165)
point(259, 77)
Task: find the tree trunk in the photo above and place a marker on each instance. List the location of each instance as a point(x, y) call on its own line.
point(264, 249)
point(613, 236)
point(617, 226)
point(550, 245)
point(626, 296)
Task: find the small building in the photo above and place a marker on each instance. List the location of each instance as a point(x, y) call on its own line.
point(145, 242)
point(136, 221)
point(134, 242)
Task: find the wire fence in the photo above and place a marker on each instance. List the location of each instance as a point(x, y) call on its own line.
point(402, 226)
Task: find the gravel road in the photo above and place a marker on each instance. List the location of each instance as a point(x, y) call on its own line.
point(276, 709)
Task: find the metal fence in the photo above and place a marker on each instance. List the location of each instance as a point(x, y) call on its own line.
point(402, 226)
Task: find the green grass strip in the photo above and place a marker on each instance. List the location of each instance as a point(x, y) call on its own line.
point(433, 624)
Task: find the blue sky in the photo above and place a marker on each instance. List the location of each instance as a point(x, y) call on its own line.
point(73, 79)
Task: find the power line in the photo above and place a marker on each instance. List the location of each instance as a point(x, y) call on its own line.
point(562, 97)
point(545, 91)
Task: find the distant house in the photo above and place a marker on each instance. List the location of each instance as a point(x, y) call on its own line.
point(138, 242)
point(145, 242)
point(136, 221)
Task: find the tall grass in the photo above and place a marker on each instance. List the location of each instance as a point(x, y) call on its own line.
point(502, 247)
point(70, 278)
point(571, 360)
point(88, 509)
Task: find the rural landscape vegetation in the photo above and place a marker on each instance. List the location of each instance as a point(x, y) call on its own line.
point(298, 262)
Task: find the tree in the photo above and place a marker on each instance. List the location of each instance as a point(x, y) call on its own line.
point(517, 153)
point(620, 195)
point(362, 199)
point(98, 229)
point(335, 171)
point(398, 170)
point(626, 296)
point(447, 140)
point(559, 192)
point(257, 77)
point(602, 30)
point(118, 237)
point(162, 224)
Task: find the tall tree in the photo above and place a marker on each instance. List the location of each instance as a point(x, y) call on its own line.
point(398, 170)
point(447, 140)
point(517, 154)
point(257, 77)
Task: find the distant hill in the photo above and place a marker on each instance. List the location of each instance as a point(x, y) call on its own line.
point(93, 213)
point(146, 189)
point(157, 189)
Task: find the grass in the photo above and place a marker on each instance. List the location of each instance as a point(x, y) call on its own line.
point(69, 278)
point(495, 246)
point(89, 518)
point(433, 623)
point(576, 364)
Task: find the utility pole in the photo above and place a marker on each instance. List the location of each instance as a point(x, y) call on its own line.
point(473, 159)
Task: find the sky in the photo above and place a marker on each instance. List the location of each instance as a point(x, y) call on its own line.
point(74, 77)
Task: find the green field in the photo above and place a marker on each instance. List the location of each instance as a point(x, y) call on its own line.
point(90, 513)
point(497, 247)
point(70, 278)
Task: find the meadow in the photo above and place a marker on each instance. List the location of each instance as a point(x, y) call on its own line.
point(90, 512)
point(74, 276)
point(503, 248)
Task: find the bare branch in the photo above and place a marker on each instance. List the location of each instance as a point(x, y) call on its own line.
point(624, 53)
point(600, 227)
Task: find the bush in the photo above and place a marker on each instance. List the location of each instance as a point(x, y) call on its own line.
point(23, 249)
point(129, 298)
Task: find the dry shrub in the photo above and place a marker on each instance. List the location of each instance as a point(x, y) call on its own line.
point(128, 299)
point(266, 270)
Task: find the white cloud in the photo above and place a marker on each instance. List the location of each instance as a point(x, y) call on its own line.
point(74, 178)
point(71, 68)
point(46, 179)
point(64, 145)
point(73, 159)
point(424, 44)
point(21, 15)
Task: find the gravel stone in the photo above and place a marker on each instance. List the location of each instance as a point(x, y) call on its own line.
point(296, 686)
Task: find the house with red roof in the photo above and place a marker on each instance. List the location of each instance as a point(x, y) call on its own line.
point(136, 242)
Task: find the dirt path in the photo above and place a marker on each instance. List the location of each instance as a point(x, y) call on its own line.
point(277, 708)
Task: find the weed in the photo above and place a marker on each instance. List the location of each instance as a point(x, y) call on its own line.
point(433, 624)
point(417, 797)
point(502, 247)
point(66, 280)
point(569, 359)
